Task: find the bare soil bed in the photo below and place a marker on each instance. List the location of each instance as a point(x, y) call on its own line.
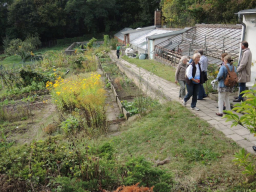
point(30, 126)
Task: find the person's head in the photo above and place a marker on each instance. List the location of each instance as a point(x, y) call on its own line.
point(184, 59)
point(228, 59)
point(201, 51)
point(223, 55)
point(196, 57)
point(244, 44)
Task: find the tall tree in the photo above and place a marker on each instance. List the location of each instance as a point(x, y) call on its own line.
point(189, 12)
point(93, 14)
point(3, 18)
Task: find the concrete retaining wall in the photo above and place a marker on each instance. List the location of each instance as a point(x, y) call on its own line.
point(142, 83)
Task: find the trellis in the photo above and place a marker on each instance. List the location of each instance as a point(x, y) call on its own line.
point(212, 39)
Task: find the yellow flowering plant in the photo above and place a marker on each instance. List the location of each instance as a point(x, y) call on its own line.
point(87, 94)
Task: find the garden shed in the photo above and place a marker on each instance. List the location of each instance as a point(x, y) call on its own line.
point(120, 36)
point(248, 18)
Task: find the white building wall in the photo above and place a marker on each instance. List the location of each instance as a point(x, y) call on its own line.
point(151, 46)
point(250, 37)
point(151, 49)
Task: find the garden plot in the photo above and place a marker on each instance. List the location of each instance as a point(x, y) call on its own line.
point(26, 110)
point(129, 97)
point(25, 121)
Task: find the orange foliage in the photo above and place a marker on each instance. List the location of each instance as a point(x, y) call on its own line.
point(134, 188)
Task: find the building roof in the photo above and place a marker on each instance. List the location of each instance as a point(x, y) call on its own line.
point(159, 36)
point(141, 41)
point(119, 34)
point(246, 11)
point(138, 30)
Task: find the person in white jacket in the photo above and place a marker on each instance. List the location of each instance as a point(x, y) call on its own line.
point(193, 80)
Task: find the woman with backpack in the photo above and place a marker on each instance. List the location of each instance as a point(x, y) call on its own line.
point(227, 78)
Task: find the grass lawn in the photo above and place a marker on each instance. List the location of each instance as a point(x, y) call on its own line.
point(15, 59)
point(200, 156)
point(159, 69)
point(11, 60)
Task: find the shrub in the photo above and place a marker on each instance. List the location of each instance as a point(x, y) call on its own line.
point(101, 52)
point(23, 48)
point(243, 159)
point(248, 107)
point(113, 43)
point(69, 125)
point(72, 165)
point(33, 40)
point(140, 170)
point(50, 129)
point(6, 42)
point(106, 40)
point(29, 76)
point(90, 43)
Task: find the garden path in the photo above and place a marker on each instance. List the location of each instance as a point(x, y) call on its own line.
point(170, 91)
point(112, 109)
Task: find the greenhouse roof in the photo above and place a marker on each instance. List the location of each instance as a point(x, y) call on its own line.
point(159, 36)
point(214, 39)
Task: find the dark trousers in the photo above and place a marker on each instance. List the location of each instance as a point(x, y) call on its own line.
point(117, 53)
point(241, 88)
point(201, 92)
point(192, 91)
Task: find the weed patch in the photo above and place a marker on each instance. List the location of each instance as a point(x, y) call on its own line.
point(73, 165)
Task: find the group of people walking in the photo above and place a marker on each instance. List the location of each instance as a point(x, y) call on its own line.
point(193, 74)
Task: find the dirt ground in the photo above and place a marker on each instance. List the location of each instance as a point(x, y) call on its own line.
point(25, 131)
